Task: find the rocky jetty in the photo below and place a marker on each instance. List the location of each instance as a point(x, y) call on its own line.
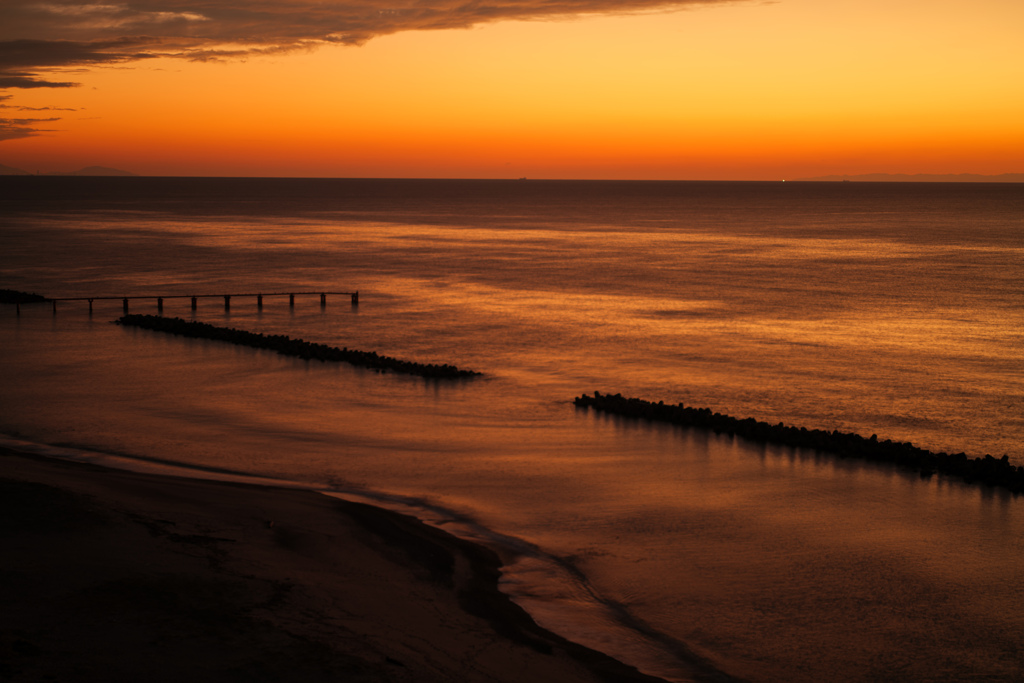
point(287, 346)
point(985, 470)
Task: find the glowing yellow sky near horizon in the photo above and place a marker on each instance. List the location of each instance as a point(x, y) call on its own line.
point(741, 91)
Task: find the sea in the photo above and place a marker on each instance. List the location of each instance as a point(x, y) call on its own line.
point(894, 309)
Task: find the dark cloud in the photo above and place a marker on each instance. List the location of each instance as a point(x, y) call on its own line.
point(11, 106)
point(21, 60)
point(17, 80)
point(12, 129)
point(34, 53)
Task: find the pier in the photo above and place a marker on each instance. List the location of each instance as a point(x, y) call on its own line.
point(259, 296)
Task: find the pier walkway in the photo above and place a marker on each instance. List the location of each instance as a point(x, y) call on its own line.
point(195, 299)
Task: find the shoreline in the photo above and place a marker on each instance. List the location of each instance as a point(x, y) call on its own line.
point(113, 575)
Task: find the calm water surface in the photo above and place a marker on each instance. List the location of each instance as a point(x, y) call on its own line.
point(888, 309)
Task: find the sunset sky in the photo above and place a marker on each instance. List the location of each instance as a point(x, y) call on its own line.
point(510, 88)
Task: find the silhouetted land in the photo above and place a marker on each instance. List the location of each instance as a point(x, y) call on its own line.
point(294, 347)
point(923, 178)
point(11, 296)
point(87, 171)
point(986, 470)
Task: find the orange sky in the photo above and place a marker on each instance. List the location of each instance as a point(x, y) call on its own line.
point(743, 90)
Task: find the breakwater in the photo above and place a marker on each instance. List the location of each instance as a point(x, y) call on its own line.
point(986, 470)
point(298, 348)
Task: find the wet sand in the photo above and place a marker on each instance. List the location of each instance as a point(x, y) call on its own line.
point(118, 576)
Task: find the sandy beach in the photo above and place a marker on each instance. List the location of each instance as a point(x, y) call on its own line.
point(117, 576)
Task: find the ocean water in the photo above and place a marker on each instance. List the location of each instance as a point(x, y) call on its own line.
point(888, 309)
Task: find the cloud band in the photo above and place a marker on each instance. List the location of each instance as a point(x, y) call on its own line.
point(43, 37)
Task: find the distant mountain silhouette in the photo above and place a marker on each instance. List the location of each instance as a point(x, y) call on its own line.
point(924, 178)
point(95, 170)
point(87, 171)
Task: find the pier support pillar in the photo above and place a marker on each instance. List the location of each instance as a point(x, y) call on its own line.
point(124, 305)
point(55, 307)
point(90, 306)
point(193, 303)
point(355, 298)
point(259, 302)
point(159, 305)
point(227, 302)
point(323, 300)
point(291, 300)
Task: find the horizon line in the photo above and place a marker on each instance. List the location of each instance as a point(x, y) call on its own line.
point(98, 171)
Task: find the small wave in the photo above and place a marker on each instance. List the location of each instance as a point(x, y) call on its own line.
point(558, 595)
